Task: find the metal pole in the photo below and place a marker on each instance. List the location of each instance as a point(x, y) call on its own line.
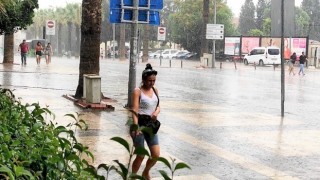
point(133, 53)
point(282, 60)
point(113, 39)
point(214, 41)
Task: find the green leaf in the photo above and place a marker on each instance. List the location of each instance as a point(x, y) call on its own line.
point(20, 171)
point(124, 170)
point(106, 167)
point(135, 176)
point(5, 169)
point(122, 141)
point(141, 151)
point(71, 115)
point(181, 166)
point(164, 175)
point(165, 161)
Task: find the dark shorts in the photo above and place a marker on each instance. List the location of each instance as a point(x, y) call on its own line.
point(39, 53)
point(138, 141)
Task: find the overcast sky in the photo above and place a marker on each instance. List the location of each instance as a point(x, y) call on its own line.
point(235, 5)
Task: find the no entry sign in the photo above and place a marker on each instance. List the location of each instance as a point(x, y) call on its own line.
point(161, 33)
point(50, 27)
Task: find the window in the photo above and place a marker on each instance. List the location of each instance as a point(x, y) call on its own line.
point(260, 51)
point(273, 51)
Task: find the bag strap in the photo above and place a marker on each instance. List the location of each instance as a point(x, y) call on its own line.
point(157, 96)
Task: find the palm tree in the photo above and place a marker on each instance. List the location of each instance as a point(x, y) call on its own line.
point(73, 18)
point(61, 21)
point(145, 43)
point(90, 41)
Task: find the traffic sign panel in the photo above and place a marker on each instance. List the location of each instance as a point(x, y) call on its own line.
point(50, 27)
point(161, 33)
point(215, 26)
point(215, 32)
point(214, 37)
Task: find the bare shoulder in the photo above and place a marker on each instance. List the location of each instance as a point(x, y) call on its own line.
point(156, 90)
point(137, 91)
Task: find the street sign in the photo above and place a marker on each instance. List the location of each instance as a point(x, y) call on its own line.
point(121, 11)
point(161, 33)
point(215, 31)
point(50, 27)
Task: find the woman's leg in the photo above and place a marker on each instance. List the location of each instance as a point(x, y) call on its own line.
point(137, 163)
point(155, 153)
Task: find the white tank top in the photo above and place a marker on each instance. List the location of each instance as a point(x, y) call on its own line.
point(147, 104)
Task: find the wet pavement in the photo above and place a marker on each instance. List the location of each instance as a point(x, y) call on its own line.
point(224, 123)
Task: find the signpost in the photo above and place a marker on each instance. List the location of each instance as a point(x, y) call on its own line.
point(214, 32)
point(134, 12)
point(50, 27)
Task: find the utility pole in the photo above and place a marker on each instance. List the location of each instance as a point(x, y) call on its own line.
point(133, 53)
point(214, 41)
point(282, 60)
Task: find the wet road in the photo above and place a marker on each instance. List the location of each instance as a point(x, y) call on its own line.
point(224, 123)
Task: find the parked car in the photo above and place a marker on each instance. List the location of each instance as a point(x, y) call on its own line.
point(263, 55)
point(169, 53)
point(155, 54)
point(179, 54)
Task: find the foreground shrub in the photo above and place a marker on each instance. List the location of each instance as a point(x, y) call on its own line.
point(31, 148)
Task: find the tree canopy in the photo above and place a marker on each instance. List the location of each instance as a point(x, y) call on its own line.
point(16, 15)
point(247, 17)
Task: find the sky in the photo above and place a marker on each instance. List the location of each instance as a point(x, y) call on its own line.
point(235, 5)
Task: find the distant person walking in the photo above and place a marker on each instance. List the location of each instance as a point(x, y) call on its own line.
point(303, 59)
point(24, 49)
point(38, 52)
point(292, 61)
point(48, 53)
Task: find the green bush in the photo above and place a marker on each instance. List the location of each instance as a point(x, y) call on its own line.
point(32, 147)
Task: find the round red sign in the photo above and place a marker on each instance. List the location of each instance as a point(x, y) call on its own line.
point(50, 24)
point(161, 30)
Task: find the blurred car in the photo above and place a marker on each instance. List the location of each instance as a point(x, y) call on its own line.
point(189, 55)
point(179, 54)
point(155, 54)
point(169, 53)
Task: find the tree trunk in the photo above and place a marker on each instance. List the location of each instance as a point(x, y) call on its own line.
point(145, 43)
point(205, 15)
point(8, 48)
point(69, 39)
point(59, 40)
point(78, 40)
point(90, 41)
point(122, 46)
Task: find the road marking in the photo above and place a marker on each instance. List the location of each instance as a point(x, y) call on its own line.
point(230, 156)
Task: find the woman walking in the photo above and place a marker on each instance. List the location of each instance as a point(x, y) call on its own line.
point(48, 53)
point(38, 52)
point(146, 102)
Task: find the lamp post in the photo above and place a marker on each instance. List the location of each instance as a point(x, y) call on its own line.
point(214, 41)
point(282, 59)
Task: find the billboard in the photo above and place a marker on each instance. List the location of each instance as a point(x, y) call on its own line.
point(248, 43)
point(298, 45)
point(232, 46)
point(267, 41)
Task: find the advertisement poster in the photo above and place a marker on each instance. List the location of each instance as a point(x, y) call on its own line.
point(298, 45)
point(232, 46)
point(248, 43)
point(271, 42)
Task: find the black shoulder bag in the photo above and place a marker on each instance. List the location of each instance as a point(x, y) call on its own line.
point(147, 121)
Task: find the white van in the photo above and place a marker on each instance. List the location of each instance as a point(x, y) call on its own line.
point(263, 55)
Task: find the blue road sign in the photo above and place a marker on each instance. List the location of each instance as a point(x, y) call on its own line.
point(154, 16)
point(154, 4)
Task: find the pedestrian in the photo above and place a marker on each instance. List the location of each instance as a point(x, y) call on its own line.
point(101, 53)
point(292, 61)
point(146, 102)
point(38, 52)
point(302, 60)
point(48, 53)
point(24, 49)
